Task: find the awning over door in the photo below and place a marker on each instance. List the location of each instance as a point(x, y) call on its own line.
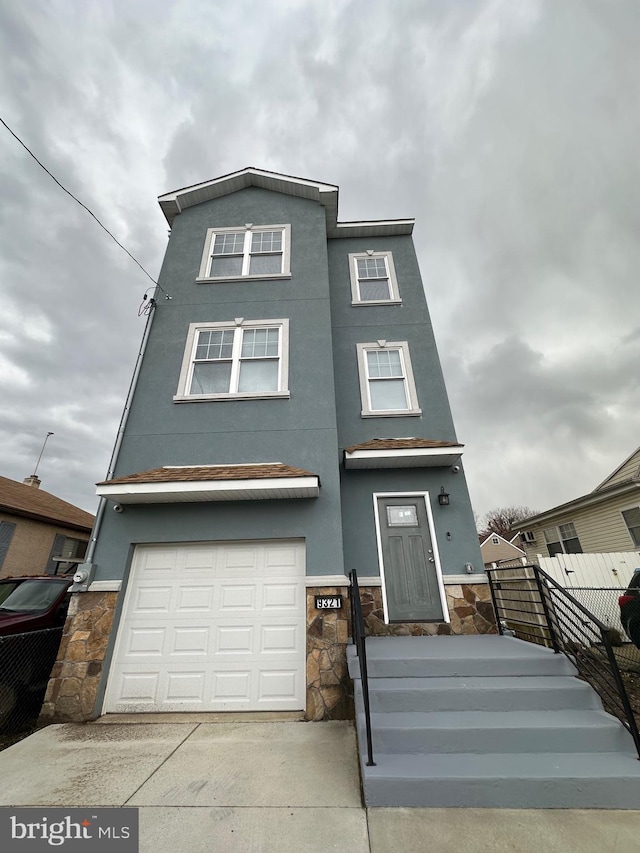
point(402, 453)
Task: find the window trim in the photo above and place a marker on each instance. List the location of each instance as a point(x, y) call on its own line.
point(409, 382)
point(635, 545)
point(249, 229)
point(356, 300)
point(561, 540)
point(188, 360)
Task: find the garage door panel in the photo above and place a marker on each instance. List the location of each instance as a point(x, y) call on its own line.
point(185, 687)
point(234, 640)
point(195, 599)
point(152, 599)
point(231, 686)
point(279, 685)
point(139, 687)
point(187, 641)
point(281, 596)
point(237, 597)
point(145, 641)
point(224, 630)
point(279, 639)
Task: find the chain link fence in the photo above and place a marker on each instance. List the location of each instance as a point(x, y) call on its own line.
point(26, 661)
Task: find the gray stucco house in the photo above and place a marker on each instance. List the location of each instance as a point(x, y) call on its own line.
point(289, 423)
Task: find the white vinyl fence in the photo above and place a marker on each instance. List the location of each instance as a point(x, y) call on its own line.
point(587, 570)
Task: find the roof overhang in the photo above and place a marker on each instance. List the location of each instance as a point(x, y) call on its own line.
point(174, 203)
point(592, 499)
point(414, 457)
point(194, 491)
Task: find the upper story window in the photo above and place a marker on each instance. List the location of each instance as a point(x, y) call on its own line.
point(245, 360)
point(247, 252)
point(373, 279)
point(562, 540)
point(387, 387)
point(632, 520)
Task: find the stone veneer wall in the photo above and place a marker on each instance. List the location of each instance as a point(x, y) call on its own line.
point(72, 690)
point(73, 685)
point(470, 611)
point(329, 692)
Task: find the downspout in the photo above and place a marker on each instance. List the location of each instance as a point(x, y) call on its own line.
point(85, 571)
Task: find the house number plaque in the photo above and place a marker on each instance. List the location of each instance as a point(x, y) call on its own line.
point(328, 602)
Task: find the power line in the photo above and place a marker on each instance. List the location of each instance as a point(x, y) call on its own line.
point(104, 228)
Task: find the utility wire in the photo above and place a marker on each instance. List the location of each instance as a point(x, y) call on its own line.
point(104, 228)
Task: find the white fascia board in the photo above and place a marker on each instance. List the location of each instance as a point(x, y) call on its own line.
point(174, 202)
point(272, 176)
point(373, 228)
point(134, 492)
point(401, 453)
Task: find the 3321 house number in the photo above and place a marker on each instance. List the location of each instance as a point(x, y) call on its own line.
point(328, 602)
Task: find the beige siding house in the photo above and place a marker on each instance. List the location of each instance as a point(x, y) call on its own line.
point(39, 533)
point(497, 549)
point(605, 520)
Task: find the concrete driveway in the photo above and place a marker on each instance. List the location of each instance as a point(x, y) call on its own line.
point(258, 787)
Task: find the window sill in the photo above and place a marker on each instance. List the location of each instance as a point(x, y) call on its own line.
point(364, 304)
point(224, 278)
point(208, 398)
point(401, 413)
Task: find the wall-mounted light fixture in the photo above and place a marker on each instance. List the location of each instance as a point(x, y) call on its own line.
point(443, 497)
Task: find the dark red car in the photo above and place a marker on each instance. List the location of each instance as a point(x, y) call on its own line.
point(630, 609)
point(33, 603)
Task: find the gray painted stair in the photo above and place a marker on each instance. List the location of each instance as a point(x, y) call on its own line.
point(488, 722)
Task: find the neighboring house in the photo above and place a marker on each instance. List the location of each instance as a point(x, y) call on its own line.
point(605, 520)
point(39, 533)
point(289, 424)
point(497, 549)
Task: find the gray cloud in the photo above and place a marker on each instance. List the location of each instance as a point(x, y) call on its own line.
point(507, 129)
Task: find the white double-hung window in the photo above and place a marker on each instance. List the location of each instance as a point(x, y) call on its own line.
point(387, 386)
point(242, 360)
point(247, 252)
point(373, 279)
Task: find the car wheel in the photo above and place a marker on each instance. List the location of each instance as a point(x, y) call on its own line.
point(633, 630)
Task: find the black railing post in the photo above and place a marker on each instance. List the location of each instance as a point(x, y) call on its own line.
point(624, 696)
point(492, 590)
point(545, 606)
point(361, 651)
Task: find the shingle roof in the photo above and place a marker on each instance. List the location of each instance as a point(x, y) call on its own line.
point(400, 444)
point(31, 502)
point(262, 471)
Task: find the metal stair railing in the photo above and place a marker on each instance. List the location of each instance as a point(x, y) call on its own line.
point(358, 631)
point(532, 606)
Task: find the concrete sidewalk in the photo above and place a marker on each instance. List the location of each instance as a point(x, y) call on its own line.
point(269, 787)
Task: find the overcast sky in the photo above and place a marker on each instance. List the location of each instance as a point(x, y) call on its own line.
point(508, 128)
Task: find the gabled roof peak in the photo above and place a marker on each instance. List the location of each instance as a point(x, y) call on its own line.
point(175, 202)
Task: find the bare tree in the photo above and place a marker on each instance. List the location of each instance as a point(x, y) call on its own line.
point(504, 520)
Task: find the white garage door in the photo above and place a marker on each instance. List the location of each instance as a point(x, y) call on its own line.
point(212, 627)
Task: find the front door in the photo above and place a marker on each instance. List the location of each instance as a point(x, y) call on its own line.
point(412, 587)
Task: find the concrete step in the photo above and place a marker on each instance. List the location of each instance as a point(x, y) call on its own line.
point(498, 780)
point(429, 657)
point(502, 693)
point(438, 732)
point(488, 722)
